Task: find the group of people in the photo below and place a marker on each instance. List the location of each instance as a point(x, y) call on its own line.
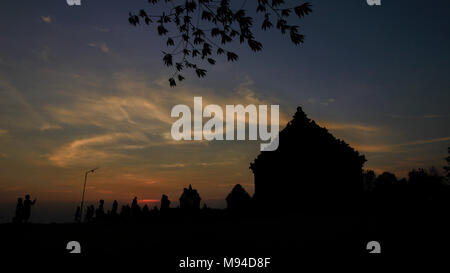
point(99, 214)
point(23, 209)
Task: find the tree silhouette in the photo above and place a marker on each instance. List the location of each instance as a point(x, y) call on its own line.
point(198, 30)
point(369, 180)
point(238, 199)
point(427, 184)
point(385, 181)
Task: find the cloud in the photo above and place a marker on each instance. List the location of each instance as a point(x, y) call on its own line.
point(350, 127)
point(383, 148)
point(21, 112)
point(327, 102)
point(356, 133)
point(48, 127)
point(425, 141)
point(46, 19)
point(148, 201)
point(424, 116)
point(231, 185)
point(138, 178)
point(105, 191)
point(375, 148)
point(313, 100)
point(118, 120)
point(102, 46)
point(59, 191)
point(128, 123)
point(133, 114)
point(174, 165)
point(10, 188)
point(101, 29)
point(91, 150)
point(43, 54)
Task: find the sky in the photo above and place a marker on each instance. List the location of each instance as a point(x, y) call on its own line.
point(82, 88)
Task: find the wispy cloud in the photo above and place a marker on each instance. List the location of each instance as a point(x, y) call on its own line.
point(102, 46)
point(46, 19)
point(173, 165)
point(326, 102)
point(373, 148)
point(22, 113)
point(424, 116)
point(43, 54)
point(383, 148)
point(350, 127)
point(59, 191)
point(101, 29)
point(103, 191)
point(48, 126)
point(92, 150)
point(134, 118)
point(138, 178)
point(425, 141)
point(148, 200)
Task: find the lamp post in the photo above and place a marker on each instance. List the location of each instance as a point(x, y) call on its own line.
point(84, 190)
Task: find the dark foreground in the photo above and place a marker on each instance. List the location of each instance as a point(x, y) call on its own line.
point(164, 246)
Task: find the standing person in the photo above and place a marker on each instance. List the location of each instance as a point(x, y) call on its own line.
point(27, 207)
point(89, 214)
point(115, 206)
point(78, 215)
point(18, 218)
point(135, 208)
point(100, 212)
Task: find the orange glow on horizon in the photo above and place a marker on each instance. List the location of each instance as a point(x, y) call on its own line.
point(148, 201)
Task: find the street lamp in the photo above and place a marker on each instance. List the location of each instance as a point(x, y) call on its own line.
point(84, 190)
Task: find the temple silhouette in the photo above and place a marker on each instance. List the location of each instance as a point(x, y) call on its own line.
point(312, 173)
point(190, 199)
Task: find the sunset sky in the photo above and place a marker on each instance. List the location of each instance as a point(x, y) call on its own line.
point(82, 88)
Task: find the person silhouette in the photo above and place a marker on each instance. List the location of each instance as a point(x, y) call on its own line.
point(89, 214)
point(27, 207)
point(114, 208)
point(165, 202)
point(100, 212)
point(18, 218)
point(78, 215)
point(135, 208)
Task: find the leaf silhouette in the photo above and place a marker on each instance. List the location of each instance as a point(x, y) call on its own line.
point(211, 61)
point(172, 82)
point(203, 28)
point(303, 10)
point(167, 59)
point(232, 56)
point(200, 72)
